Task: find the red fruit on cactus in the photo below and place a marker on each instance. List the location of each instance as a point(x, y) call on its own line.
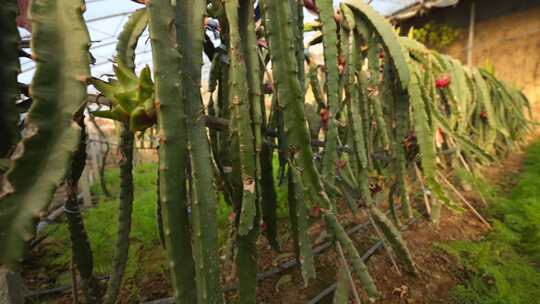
point(374, 189)
point(442, 82)
point(268, 88)
point(325, 115)
point(22, 18)
point(316, 211)
point(341, 64)
point(483, 115)
point(262, 43)
point(310, 6)
point(338, 17)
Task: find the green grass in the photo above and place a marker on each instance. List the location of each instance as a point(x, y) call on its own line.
point(504, 268)
point(145, 252)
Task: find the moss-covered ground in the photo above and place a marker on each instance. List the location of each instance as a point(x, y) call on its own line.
point(504, 267)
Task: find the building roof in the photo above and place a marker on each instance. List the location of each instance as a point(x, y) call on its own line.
point(420, 7)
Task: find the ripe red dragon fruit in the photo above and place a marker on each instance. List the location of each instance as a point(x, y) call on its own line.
point(483, 115)
point(341, 64)
point(316, 211)
point(310, 6)
point(325, 115)
point(442, 82)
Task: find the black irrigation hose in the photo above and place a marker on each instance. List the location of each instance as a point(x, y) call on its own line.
point(365, 256)
point(53, 291)
point(317, 250)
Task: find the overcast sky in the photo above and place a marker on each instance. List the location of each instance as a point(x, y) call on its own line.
point(105, 19)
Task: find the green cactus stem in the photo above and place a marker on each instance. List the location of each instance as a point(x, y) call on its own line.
point(393, 235)
point(129, 36)
point(246, 264)
point(248, 42)
point(189, 34)
point(269, 195)
point(330, 43)
point(124, 215)
point(58, 90)
point(9, 62)
point(241, 125)
point(341, 295)
point(80, 245)
point(172, 151)
point(245, 94)
point(291, 99)
point(425, 139)
point(314, 82)
point(355, 119)
point(352, 254)
point(124, 70)
point(290, 96)
point(300, 224)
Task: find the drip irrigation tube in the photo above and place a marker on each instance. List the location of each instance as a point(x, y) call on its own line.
point(317, 250)
point(365, 256)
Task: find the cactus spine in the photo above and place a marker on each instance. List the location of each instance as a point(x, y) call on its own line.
point(58, 90)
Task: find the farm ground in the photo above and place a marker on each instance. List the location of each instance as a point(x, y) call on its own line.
point(460, 261)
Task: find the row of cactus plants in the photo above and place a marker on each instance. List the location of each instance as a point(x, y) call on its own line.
point(389, 111)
